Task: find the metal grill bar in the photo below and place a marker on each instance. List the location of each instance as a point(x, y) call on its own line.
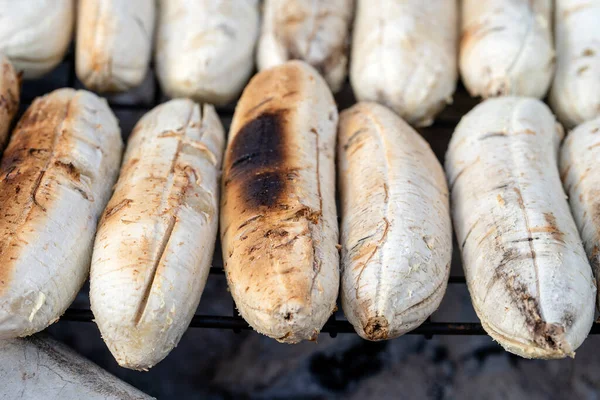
point(332, 326)
point(237, 324)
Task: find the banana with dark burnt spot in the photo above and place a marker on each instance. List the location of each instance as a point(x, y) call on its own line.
point(278, 219)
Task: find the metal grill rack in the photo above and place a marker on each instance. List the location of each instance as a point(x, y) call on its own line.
point(148, 95)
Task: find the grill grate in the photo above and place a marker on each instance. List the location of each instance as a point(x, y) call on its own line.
point(141, 100)
point(333, 326)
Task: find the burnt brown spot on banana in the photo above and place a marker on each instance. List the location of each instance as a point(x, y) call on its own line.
point(502, 272)
point(305, 213)
point(264, 190)
point(549, 336)
point(258, 156)
point(71, 171)
point(377, 328)
point(276, 233)
point(112, 210)
point(289, 242)
point(545, 335)
point(260, 143)
point(248, 221)
point(37, 152)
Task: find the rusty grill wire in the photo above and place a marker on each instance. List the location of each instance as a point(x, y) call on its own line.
point(133, 105)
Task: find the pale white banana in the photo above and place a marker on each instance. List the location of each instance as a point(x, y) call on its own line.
point(114, 42)
point(396, 230)
point(314, 31)
point(156, 239)
point(527, 272)
point(205, 48)
point(579, 165)
point(404, 56)
point(575, 93)
point(35, 34)
point(506, 47)
point(41, 367)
